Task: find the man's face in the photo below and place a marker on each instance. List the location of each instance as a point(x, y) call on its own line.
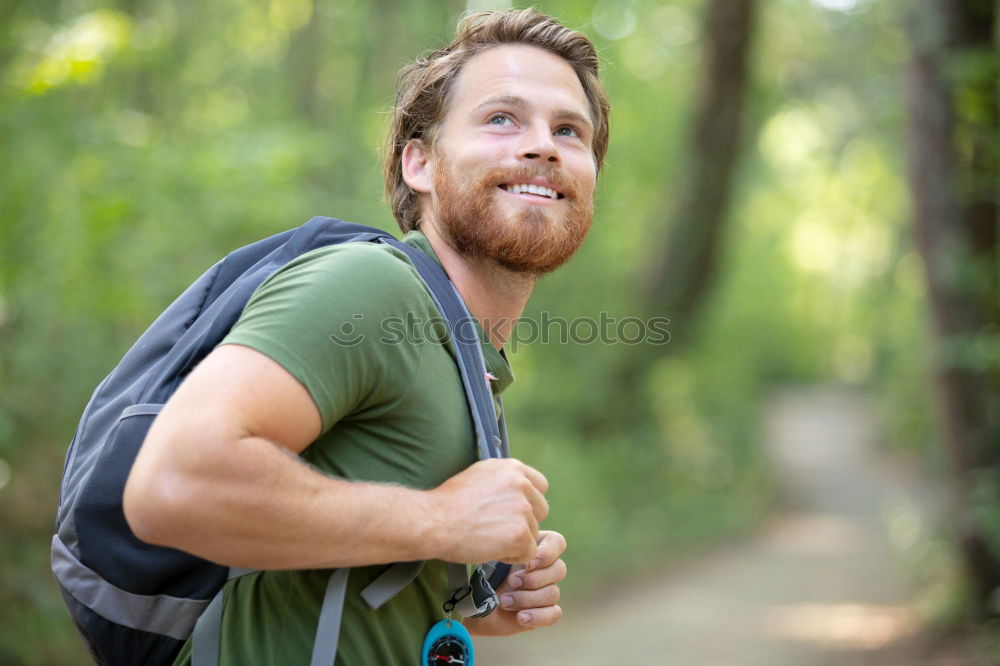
point(517, 117)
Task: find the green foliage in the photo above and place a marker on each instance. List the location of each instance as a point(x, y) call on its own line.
point(143, 140)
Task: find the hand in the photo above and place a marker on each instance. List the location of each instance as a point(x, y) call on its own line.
point(529, 596)
point(490, 511)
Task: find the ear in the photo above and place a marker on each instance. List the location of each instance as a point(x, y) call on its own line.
point(417, 172)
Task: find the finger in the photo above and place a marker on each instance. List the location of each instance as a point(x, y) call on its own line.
point(539, 505)
point(551, 546)
point(547, 596)
point(539, 617)
point(537, 479)
point(538, 578)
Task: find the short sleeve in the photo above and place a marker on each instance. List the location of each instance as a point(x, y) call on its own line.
point(324, 316)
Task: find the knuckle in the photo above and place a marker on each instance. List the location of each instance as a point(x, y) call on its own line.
point(520, 536)
point(525, 534)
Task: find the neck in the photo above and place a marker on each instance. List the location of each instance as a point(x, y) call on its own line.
point(495, 296)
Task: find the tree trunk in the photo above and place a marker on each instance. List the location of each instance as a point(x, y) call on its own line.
point(679, 272)
point(683, 264)
point(953, 178)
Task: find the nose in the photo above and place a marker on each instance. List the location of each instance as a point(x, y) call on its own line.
point(537, 144)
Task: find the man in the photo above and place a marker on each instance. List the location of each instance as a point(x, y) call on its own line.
point(491, 166)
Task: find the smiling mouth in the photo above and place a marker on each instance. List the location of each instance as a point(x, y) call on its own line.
point(533, 190)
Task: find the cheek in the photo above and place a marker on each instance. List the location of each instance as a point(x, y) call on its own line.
point(486, 150)
point(587, 176)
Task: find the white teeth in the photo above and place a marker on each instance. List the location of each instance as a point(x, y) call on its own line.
point(533, 189)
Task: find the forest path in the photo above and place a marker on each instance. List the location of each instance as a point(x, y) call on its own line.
point(817, 585)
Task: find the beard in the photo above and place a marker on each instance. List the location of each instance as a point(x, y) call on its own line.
point(530, 239)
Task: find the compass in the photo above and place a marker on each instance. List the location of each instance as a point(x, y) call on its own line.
point(448, 642)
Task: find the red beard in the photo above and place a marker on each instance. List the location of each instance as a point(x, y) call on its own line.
point(533, 240)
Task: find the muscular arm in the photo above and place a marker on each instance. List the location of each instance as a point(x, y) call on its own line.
point(217, 477)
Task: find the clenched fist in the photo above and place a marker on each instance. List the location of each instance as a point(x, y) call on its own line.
point(490, 511)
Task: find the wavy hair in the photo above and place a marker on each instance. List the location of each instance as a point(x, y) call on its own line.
point(423, 87)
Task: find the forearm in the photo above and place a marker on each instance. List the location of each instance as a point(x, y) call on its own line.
point(255, 505)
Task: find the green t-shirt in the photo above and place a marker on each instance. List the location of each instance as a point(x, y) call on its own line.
point(393, 410)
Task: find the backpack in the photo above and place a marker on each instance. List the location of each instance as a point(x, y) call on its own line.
point(133, 602)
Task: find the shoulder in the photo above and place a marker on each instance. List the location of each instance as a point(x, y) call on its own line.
point(361, 276)
point(331, 318)
point(373, 261)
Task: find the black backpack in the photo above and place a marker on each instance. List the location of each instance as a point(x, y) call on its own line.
point(133, 602)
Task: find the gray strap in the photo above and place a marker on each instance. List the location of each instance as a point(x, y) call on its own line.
point(458, 586)
point(328, 628)
point(458, 576)
point(156, 614)
point(207, 637)
point(206, 640)
point(388, 585)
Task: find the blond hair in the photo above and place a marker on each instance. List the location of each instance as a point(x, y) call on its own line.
point(423, 86)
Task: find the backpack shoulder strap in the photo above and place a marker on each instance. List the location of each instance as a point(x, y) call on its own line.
point(469, 355)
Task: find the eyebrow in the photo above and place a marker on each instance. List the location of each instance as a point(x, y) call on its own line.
point(521, 102)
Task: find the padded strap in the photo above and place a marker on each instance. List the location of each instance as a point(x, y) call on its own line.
point(468, 354)
point(491, 427)
point(328, 628)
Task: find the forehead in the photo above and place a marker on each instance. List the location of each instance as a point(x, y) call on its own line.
point(521, 70)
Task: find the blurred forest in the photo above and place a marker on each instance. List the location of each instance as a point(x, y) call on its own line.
point(807, 189)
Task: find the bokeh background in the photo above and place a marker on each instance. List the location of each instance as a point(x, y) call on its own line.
point(806, 188)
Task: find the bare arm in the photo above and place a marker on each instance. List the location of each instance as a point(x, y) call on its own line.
point(216, 478)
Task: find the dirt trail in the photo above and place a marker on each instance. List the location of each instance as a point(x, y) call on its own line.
point(819, 585)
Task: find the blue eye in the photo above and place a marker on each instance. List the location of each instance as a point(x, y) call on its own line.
point(503, 119)
point(569, 131)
